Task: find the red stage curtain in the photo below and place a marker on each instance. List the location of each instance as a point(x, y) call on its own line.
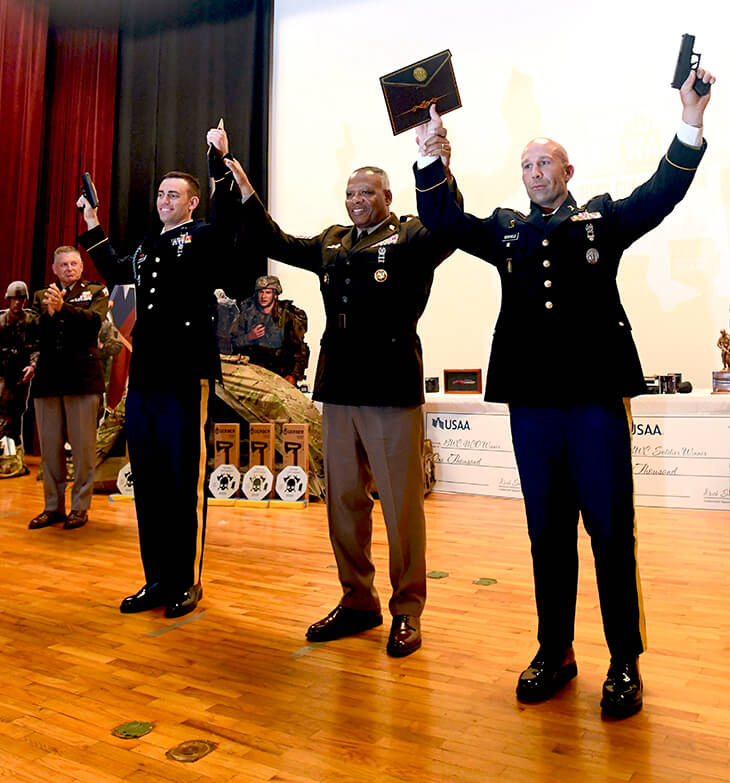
point(23, 36)
point(79, 132)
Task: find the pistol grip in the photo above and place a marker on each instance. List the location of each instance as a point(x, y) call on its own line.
point(700, 87)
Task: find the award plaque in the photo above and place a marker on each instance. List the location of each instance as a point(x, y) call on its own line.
point(463, 381)
point(411, 90)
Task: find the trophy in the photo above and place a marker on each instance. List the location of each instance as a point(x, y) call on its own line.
point(721, 378)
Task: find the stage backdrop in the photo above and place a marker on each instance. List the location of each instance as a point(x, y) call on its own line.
point(178, 75)
point(594, 78)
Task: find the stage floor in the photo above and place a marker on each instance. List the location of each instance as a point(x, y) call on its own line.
point(238, 672)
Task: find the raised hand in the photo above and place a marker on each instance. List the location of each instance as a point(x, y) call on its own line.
point(694, 105)
point(431, 138)
point(90, 213)
point(240, 176)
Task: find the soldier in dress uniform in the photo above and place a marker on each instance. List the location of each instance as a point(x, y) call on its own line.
point(572, 439)
point(67, 386)
point(375, 278)
point(270, 331)
point(175, 272)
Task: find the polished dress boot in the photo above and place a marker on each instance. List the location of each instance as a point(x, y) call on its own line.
point(148, 597)
point(343, 621)
point(548, 672)
point(183, 603)
point(46, 518)
point(623, 691)
point(76, 519)
point(405, 635)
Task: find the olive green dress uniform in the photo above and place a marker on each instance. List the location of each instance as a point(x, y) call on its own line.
point(370, 378)
point(66, 389)
point(564, 359)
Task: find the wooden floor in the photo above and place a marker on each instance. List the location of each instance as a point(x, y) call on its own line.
point(238, 672)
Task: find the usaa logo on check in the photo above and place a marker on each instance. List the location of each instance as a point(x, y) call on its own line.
point(450, 424)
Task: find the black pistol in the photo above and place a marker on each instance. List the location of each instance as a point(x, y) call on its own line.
point(686, 62)
point(88, 190)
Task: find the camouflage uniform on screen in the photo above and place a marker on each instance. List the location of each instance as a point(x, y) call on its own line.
point(18, 350)
point(281, 348)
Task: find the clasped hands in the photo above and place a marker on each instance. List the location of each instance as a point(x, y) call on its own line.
point(53, 298)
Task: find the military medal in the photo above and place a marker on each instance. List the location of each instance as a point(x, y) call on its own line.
point(381, 255)
point(380, 275)
point(590, 233)
point(592, 255)
point(180, 241)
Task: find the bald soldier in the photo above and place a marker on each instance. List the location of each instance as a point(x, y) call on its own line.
point(571, 429)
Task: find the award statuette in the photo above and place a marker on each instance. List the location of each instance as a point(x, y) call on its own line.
point(411, 90)
point(721, 378)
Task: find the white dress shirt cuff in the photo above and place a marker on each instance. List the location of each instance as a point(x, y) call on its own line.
point(425, 160)
point(689, 134)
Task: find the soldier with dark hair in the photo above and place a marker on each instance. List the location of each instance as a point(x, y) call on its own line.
point(270, 331)
point(174, 271)
point(375, 276)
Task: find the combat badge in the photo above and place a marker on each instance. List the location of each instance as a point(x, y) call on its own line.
point(380, 275)
point(592, 255)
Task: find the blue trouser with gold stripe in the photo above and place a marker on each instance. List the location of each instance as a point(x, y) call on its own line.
point(167, 438)
point(578, 459)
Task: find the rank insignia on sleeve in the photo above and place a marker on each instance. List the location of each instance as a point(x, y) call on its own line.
point(380, 275)
point(585, 216)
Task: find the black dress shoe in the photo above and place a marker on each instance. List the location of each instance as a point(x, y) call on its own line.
point(623, 691)
point(343, 621)
point(546, 675)
point(46, 518)
point(405, 635)
point(76, 519)
point(149, 597)
point(184, 602)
